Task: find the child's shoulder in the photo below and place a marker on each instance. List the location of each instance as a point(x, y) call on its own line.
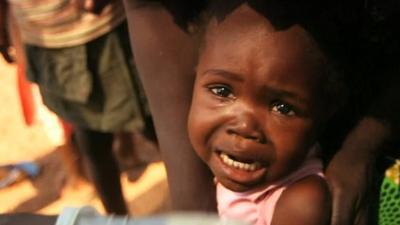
point(307, 201)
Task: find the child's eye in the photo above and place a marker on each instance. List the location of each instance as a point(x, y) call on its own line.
point(283, 108)
point(221, 91)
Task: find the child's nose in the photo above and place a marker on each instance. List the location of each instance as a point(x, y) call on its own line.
point(246, 126)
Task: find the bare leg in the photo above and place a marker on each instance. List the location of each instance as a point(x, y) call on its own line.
point(165, 58)
point(96, 148)
point(124, 147)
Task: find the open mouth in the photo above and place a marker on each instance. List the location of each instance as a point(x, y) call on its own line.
point(239, 164)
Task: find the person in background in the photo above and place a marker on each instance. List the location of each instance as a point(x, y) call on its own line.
point(166, 53)
point(78, 52)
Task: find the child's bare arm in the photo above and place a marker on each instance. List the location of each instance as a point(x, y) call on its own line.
point(307, 202)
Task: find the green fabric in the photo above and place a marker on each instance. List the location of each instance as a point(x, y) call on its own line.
point(94, 85)
point(389, 207)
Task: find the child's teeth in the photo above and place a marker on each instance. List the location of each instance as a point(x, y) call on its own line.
point(252, 167)
point(238, 165)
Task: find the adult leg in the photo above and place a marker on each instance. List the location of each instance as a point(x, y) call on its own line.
point(96, 148)
point(165, 58)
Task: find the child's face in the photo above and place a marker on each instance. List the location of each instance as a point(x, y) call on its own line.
point(255, 110)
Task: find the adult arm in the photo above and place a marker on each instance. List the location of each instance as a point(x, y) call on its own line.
point(351, 172)
point(372, 136)
point(165, 57)
point(355, 196)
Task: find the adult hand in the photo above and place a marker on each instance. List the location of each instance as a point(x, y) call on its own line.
point(350, 180)
point(351, 174)
point(93, 6)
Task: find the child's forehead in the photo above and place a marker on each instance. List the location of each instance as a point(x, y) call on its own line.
point(245, 35)
point(241, 19)
point(244, 24)
point(244, 42)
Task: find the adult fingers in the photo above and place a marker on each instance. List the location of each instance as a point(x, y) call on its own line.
point(343, 207)
point(362, 216)
point(368, 205)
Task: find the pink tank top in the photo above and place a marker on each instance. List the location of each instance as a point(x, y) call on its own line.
point(257, 206)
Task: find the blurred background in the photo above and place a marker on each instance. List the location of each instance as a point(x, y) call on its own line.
point(42, 143)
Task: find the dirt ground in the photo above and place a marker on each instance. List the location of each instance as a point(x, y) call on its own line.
point(54, 189)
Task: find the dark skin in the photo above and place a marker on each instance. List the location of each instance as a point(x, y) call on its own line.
point(257, 103)
point(357, 154)
point(160, 47)
point(155, 22)
point(96, 148)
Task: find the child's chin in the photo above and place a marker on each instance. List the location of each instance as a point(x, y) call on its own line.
point(239, 187)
